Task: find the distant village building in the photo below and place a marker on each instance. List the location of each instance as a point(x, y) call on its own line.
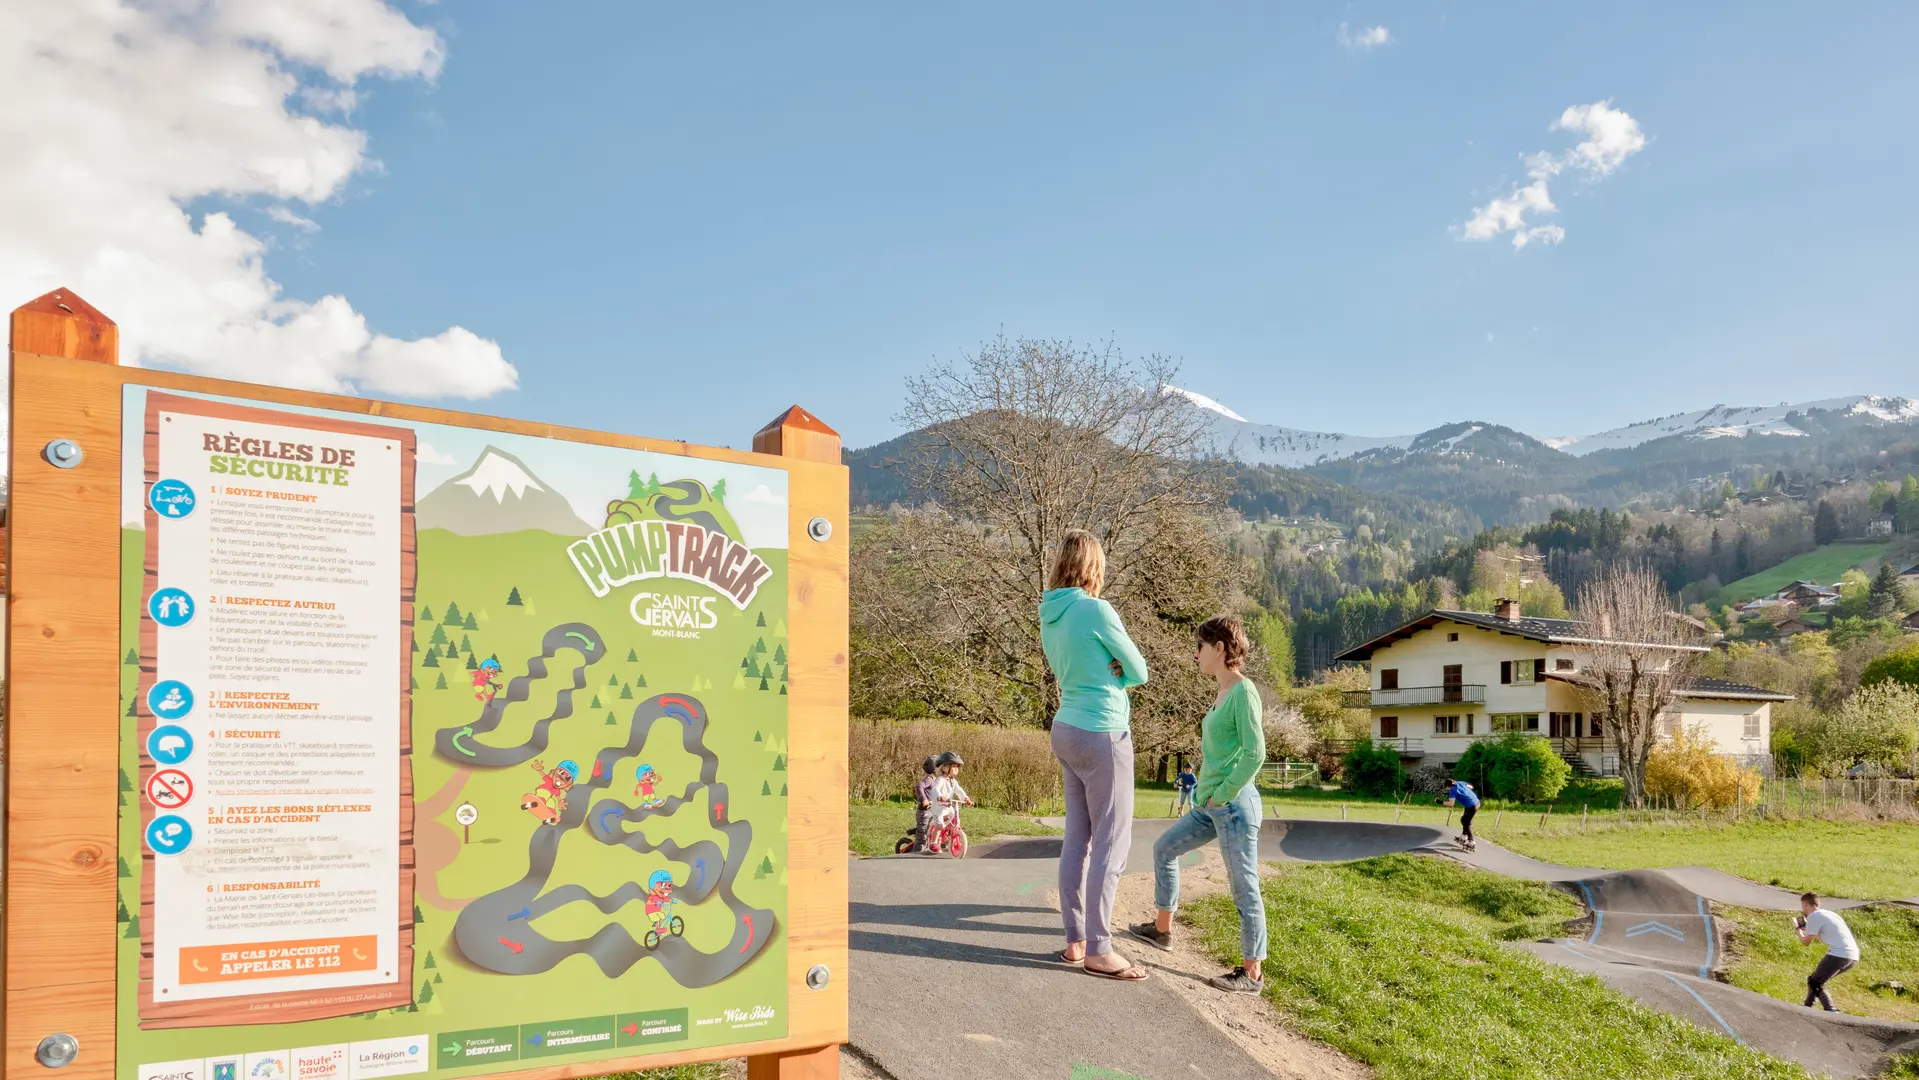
point(1880, 526)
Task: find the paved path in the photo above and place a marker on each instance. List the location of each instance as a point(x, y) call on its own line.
point(963, 949)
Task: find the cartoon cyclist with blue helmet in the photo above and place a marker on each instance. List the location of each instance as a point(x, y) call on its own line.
point(648, 778)
point(548, 801)
point(659, 908)
point(486, 680)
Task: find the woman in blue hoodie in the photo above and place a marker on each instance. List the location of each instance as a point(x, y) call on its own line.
point(1094, 663)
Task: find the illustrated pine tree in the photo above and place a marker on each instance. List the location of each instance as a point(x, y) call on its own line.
point(759, 646)
point(430, 964)
point(126, 783)
point(596, 702)
point(635, 487)
point(640, 681)
point(513, 598)
point(471, 622)
point(123, 916)
point(782, 687)
point(739, 680)
point(759, 737)
point(125, 872)
point(133, 657)
point(626, 693)
point(763, 685)
point(439, 635)
point(766, 788)
point(779, 628)
point(632, 656)
point(418, 918)
point(779, 763)
point(412, 683)
point(426, 992)
point(472, 664)
point(782, 792)
point(452, 651)
point(441, 685)
point(719, 491)
point(761, 623)
point(432, 660)
point(453, 614)
point(438, 978)
point(610, 721)
point(133, 928)
point(779, 655)
point(612, 680)
point(466, 645)
point(752, 669)
point(765, 868)
point(133, 707)
point(416, 643)
point(426, 612)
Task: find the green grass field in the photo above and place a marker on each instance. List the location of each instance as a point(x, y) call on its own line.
point(1768, 958)
point(1866, 862)
point(1399, 962)
point(875, 826)
point(1823, 565)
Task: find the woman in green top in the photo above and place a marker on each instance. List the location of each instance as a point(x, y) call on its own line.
point(1226, 806)
point(1094, 663)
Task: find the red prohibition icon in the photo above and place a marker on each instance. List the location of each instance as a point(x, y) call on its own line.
point(169, 789)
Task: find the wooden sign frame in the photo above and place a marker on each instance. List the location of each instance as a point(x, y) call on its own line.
point(59, 939)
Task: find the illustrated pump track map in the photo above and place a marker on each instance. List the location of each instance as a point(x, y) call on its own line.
point(443, 750)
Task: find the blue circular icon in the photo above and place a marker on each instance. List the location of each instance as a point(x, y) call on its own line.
point(170, 606)
point(170, 744)
point(169, 834)
point(170, 699)
point(171, 498)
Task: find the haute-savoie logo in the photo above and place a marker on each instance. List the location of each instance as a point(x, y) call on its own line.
point(673, 532)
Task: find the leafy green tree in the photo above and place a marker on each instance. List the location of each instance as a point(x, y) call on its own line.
point(1900, 665)
point(1274, 633)
point(1372, 770)
point(1825, 524)
point(513, 598)
point(1908, 504)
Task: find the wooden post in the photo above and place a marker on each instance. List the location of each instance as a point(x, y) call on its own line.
point(61, 835)
point(797, 433)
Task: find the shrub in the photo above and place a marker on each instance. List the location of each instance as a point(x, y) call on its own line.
point(1010, 769)
point(1899, 665)
point(1686, 767)
point(1372, 770)
point(1432, 778)
point(1514, 766)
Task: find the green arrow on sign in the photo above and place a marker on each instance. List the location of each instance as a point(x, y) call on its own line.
point(464, 733)
point(450, 1048)
point(586, 642)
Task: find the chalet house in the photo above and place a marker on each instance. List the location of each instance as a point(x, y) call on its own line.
point(1880, 526)
point(1448, 678)
point(1808, 594)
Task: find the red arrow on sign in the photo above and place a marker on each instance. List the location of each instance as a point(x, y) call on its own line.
point(169, 789)
point(630, 1029)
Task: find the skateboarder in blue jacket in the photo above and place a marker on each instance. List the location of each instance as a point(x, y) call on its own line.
point(1461, 794)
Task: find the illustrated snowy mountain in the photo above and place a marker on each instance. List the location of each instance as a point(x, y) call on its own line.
point(499, 494)
point(1267, 444)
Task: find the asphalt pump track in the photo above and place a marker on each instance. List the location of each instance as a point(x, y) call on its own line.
point(1652, 935)
point(495, 931)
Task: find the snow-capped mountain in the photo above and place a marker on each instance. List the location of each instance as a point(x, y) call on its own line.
point(498, 494)
point(1266, 444)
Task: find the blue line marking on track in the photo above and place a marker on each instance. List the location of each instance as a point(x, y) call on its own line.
point(1705, 971)
point(1710, 1011)
point(1599, 917)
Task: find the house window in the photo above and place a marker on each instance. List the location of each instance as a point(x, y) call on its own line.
point(1445, 725)
point(1752, 727)
point(1469, 722)
point(1523, 671)
point(1506, 722)
point(1562, 664)
point(1506, 671)
point(1389, 678)
point(1389, 727)
point(1452, 637)
point(1532, 721)
point(1454, 678)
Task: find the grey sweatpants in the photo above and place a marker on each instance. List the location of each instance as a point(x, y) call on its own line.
point(1099, 829)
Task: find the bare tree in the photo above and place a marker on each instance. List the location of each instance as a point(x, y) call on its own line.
point(1017, 443)
point(1641, 658)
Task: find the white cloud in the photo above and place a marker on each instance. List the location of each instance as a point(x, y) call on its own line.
point(1366, 39)
point(121, 114)
point(429, 456)
point(762, 494)
point(1612, 136)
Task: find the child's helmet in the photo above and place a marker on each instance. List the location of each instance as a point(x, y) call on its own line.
point(950, 758)
point(932, 762)
point(659, 878)
point(642, 771)
point(570, 768)
point(490, 664)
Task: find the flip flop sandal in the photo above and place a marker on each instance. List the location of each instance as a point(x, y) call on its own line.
point(1064, 959)
point(1129, 973)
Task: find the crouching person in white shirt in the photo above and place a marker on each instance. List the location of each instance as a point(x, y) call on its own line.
point(1818, 924)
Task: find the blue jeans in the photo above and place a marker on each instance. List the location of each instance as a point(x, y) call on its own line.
point(1236, 824)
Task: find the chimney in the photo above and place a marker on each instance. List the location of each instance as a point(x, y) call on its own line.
point(1506, 608)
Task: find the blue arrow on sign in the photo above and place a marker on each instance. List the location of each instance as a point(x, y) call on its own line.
point(1656, 928)
point(536, 1039)
point(613, 810)
point(523, 913)
point(700, 865)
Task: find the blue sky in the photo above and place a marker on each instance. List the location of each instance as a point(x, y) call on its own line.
point(677, 224)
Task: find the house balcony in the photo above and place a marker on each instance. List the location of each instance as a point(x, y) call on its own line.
point(1407, 696)
point(1406, 747)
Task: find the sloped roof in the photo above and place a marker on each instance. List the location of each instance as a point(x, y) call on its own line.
point(1551, 631)
point(1700, 686)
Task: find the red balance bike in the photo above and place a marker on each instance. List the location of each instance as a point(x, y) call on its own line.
point(950, 838)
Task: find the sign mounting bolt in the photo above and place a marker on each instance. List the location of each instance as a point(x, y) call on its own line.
point(57, 1050)
point(63, 453)
point(818, 976)
point(819, 529)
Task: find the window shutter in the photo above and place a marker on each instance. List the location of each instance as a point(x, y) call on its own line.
point(1539, 670)
point(1389, 678)
point(1389, 727)
point(1506, 671)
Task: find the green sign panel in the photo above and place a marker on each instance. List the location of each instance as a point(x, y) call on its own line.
point(431, 734)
